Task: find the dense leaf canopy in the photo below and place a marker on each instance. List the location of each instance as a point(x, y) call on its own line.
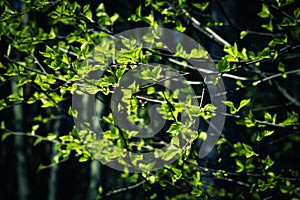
point(68, 69)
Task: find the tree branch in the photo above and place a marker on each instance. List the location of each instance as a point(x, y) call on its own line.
point(124, 189)
point(196, 24)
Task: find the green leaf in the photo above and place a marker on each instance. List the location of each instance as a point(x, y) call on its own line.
point(223, 65)
point(243, 103)
point(112, 134)
point(268, 118)
point(247, 147)
point(51, 136)
point(268, 26)
point(197, 178)
point(138, 11)
point(248, 122)
point(207, 111)
point(120, 71)
point(92, 89)
point(281, 68)
point(249, 151)
point(265, 13)
point(240, 166)
point(243, 54)
point(66, 138)
point(150, 90)
point(83, 159)
point(179, 49)
point(171, 152)
point(41, 167)
point(243, 34)
point(198, 53)
point(2, 125)
point(262, 185)
point(8, 50)
point(201, 6)
point(23, 80)
point(129, 43)
point(38, 140)
point(150, 20)
point(196, 192)
point(268, 162)
point(175, 128)
point(203, 136)
point(179, 26)
point(151, 179)
point(14, 97)
point(233, 109)
point(297, 13)
point(209, 107)
point(47, 104)
point(231, 106)
point(4, 136)
point(109, 119)
point(156, 71)
point(232, 53)
point(2, 104)
point(292, 119)
point(263, 134)
point(35, 127)
point(146, 167)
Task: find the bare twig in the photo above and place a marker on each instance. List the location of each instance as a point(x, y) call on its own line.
point(284, 137)
point(38, 62)
point(259, 82)
point(287, 95)
point(18, 133)
point(125, 188)
point(271, 107)
point(283, 12)
point(214, 171)
point(274, 76)
point(202, 95)
point(196, 24)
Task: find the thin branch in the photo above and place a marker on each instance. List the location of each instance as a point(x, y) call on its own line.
point(54, 164)
point(210, 72)
point(259, 82)
point(34, 70)
point(51, 3)
point(274, 76)
point(245, 118)
point(68, 52)
point(18, 133)
point(283, 12)
point(231, 180)
point(283, 137)
point(38, 62)
point(150, 99)
point(271, 107)
point(8, 79)
point(288, 49)
point(287, 95)
point(172, 184)
point(161, 80)
point(260, 33)
point(196, 24)
point(202, 95)
point(124, 189)
point(221, 7)
point(213, 172)
point(16, 103)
